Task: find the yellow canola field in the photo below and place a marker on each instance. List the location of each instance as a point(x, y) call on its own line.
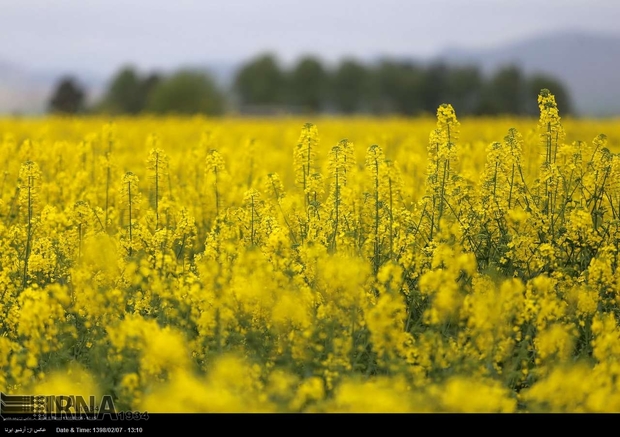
point(325, 265)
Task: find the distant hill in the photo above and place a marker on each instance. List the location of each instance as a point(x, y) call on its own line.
point(588, 64)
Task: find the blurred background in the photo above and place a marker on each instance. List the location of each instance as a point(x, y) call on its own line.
point(275, 57)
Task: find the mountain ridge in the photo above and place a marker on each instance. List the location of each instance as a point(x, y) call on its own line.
point(587, 63)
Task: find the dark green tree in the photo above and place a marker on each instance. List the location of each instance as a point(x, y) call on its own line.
point(128, 92)
point(68, 97)
point(186, 92)
point(123, 95)
point(504, 93)
point(260, 82)
point(147, 85)
point(434, 90)
point(464, 89)
point(351, 87)
point(307, 85)
point(397, 88)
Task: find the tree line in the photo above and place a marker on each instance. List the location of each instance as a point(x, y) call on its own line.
point(263, 86)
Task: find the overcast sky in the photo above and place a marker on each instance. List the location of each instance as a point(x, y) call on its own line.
point(100, 35)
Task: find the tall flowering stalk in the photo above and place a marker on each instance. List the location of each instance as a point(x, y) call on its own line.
point(341, 162)
point(157, 166)
point(375, 167)
point(131, 201)
point(304, 157)
point(394, 186)
point(275, 189)
point(215, 170)
point(502, 189)
point(440, 168)
point(81, 216)
point(549, 179)
point(29, 176)
point(253, 203)
point(109, 138)
point(306, 175)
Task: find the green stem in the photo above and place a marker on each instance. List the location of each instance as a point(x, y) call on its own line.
point(130, 219)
